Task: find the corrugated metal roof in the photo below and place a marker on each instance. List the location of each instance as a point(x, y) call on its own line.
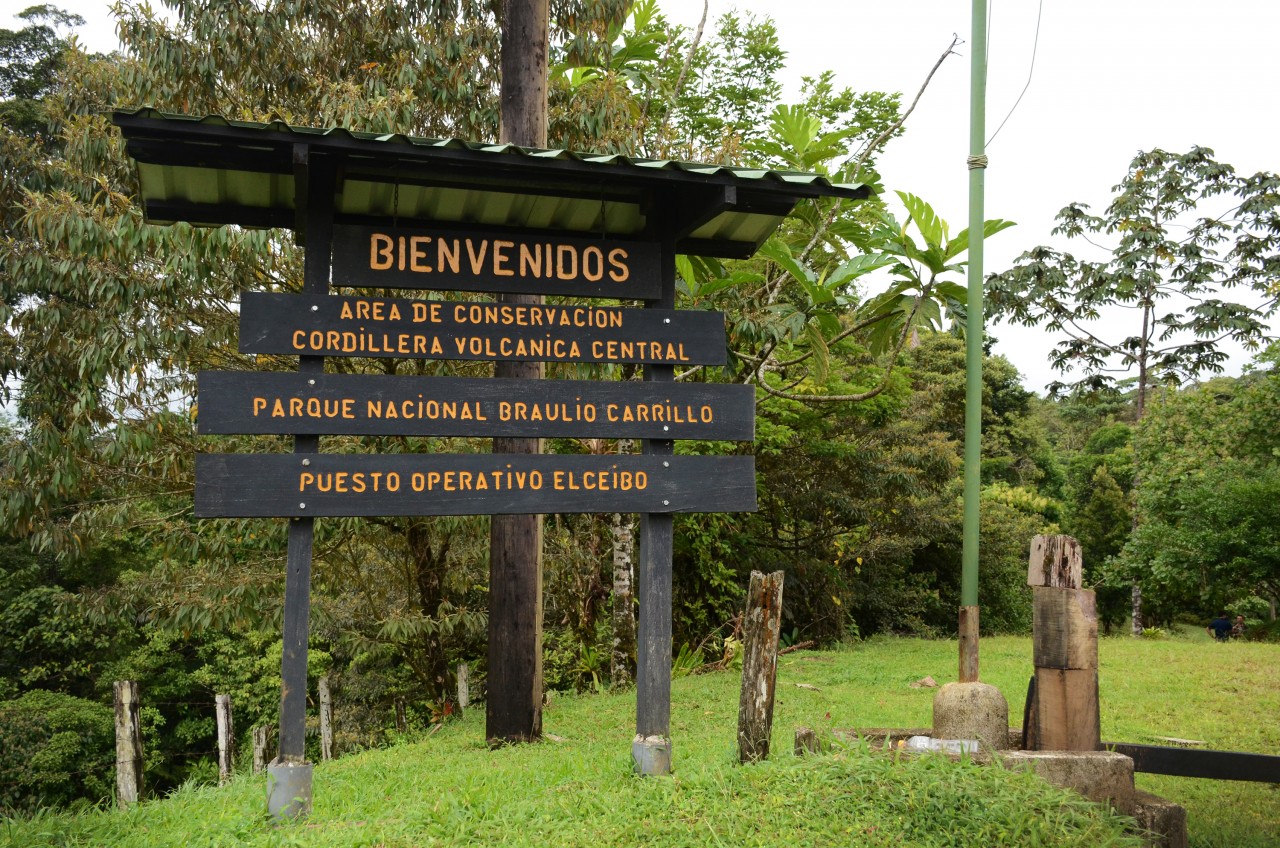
point(213, 171)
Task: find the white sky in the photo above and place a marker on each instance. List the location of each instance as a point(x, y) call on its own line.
point(1111, 78)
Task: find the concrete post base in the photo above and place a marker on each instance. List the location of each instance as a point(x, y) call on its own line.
point(288, 790)
point(1102, 776)
point(972, 711)
point(651, 755)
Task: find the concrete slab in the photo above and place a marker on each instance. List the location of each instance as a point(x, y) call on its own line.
point(1165, 822)
point(1097, 775)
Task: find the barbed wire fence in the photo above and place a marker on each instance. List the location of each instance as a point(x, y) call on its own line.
point(130, 759)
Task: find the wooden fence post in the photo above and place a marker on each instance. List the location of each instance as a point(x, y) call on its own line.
point(128, 744)
point(226, 737)
point(1063, 715)
point(464, 686)
point(326, 719)
point(261, 747)
point(761, 626)
point(806, 742)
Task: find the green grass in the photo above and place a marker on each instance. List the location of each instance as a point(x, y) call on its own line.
point(576, 789)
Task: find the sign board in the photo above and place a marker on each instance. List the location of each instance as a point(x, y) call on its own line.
point(541, 262)
point(296, 485)
point(381, 405)
point(322, 325)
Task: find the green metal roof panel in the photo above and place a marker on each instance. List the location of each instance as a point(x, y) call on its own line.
point(212, 171)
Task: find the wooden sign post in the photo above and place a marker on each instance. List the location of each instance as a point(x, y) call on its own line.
point(651, 748)
point(289, 775)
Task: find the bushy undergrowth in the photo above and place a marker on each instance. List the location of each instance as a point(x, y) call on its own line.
point(54, 750)
point(576, 789)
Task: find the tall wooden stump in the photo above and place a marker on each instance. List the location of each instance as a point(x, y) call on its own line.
point(1063, 713)
point(128, 744)
point(761, 626)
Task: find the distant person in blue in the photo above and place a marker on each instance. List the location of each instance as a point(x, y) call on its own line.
point(1220, 627)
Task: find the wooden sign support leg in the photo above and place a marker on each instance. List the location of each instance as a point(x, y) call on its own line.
point(651, 749)
point(289, 776)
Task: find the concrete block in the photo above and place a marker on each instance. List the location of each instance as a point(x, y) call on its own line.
point(1164, 822)
point(1097, 775)
point(971, 711)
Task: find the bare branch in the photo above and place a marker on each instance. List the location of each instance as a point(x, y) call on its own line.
point(897, 125)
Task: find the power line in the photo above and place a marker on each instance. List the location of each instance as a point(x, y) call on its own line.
point(1034, 48)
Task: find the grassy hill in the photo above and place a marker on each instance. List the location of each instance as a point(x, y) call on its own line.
point(576, 788)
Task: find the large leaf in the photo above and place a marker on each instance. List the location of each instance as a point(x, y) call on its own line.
point(778, 251)
point(960, 243)
point(933, 228)
point(858, 266)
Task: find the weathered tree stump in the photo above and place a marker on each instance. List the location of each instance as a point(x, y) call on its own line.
point(464, 686)
point(761, 626)
point(806, 741)
point(262, 753)
point(1055, 561)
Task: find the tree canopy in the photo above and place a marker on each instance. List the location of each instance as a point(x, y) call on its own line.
point(1183, 232)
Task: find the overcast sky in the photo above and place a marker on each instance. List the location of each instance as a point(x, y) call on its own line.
point(1110, 78)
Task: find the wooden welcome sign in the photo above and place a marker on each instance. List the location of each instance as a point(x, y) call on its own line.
point(310, 403)
point(311, 325)
point(284, 403)
point(580, 227)
point(519, 263)
point(267, 485)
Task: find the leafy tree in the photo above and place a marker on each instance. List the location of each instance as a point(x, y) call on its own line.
point(1170, 284)
point(109, 319)
point(29, 63)
point(55, 750)
point(1208, 494)
point(1101, 521)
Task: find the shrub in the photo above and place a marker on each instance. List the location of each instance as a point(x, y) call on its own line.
point(55, 749)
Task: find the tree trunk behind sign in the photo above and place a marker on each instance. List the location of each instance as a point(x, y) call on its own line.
point(622, 661)
point(623, 531)
point(513, 707)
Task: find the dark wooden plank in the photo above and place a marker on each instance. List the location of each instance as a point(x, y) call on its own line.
point(249, 485)
point(1197, 762)
point(399, 328)
point(285, 403)
point(656, 539)
point(534, 262)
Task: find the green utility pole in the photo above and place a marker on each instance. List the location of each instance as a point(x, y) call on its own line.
point(973, 337)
